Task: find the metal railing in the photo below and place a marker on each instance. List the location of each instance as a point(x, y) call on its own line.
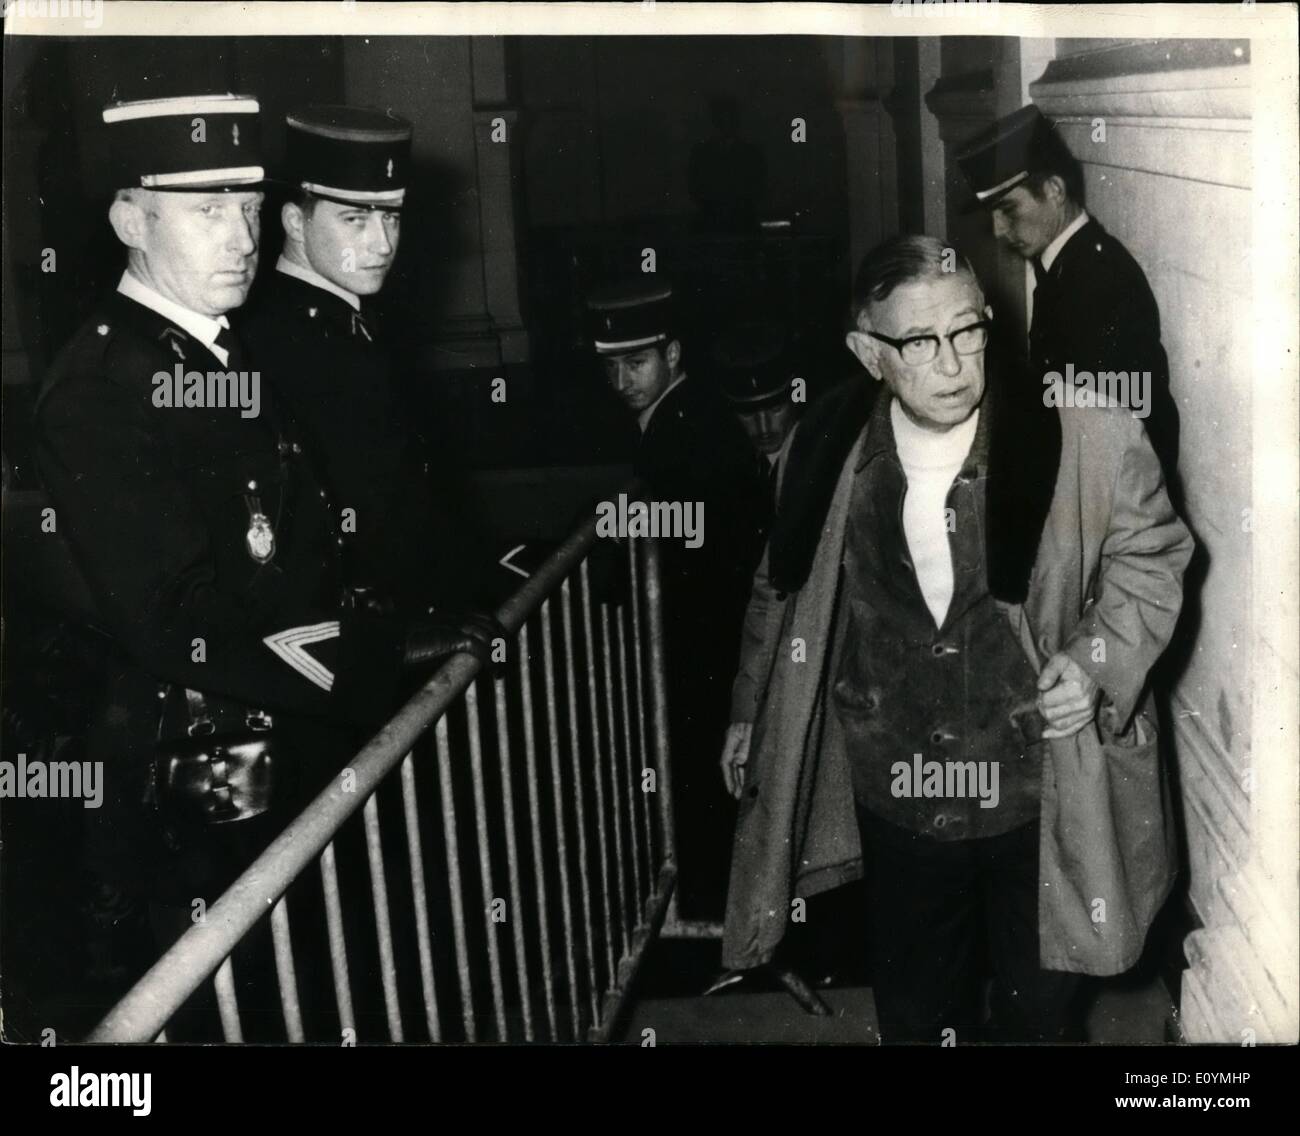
point(596, 852)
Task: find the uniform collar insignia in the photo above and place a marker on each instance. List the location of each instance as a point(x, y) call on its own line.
point(173, 337)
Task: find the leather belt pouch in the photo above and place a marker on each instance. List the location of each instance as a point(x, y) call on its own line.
point(216, 761)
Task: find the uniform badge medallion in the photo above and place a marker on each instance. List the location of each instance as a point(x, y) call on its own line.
point(260, 537)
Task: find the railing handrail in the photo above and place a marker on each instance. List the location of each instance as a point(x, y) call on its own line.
point(147, 1007)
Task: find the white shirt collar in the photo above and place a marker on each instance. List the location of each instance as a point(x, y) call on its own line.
point(203, 328)
point(314, 278)
point(1052, 251)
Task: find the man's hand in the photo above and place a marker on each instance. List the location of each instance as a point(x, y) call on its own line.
point(1067, 698)
point(438, 636)
point(735, 755)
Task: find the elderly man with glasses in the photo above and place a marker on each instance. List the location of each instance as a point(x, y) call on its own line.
point(965, 589)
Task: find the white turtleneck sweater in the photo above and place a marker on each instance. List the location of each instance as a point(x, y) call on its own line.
point(931, 460)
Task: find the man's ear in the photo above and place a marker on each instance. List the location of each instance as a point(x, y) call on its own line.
point(291, 217)
point(673, 353)
point(128, 221)
point(1054, 189)
point(865, 349)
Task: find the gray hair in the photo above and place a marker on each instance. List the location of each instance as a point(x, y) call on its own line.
point(902, 260)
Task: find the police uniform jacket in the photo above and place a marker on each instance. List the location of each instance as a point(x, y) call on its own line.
point(694, 450)
point(330, 365)
point(171, 513)
point(1093, 308)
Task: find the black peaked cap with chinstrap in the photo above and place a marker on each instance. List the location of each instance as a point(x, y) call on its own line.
point(350, 155)
point(999, 158)
point(752, 365)
point(630, 315)
point(186, 143)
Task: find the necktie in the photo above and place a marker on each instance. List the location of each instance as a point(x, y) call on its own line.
point(1040, 273)
point(236, 360)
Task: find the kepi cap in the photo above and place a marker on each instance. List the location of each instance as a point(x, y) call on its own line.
point(351, 155)
point(630, 315)
point(753, 368)
point(185, 143)
point(999, 158)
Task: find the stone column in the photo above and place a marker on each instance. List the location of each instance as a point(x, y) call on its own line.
point(971, 91)
point(497, 150)
point(870, 147)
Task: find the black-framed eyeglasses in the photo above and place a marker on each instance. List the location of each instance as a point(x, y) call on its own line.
point(918, 349)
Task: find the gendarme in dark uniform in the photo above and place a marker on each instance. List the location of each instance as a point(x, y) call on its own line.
point(691, 449)
point(311, 327)
point(211, 547)
point(1092, 306)
point(757, 380)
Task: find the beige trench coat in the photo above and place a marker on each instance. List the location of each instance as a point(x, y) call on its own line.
point(1106, 588)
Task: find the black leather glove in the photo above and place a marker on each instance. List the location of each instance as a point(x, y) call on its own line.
point(437, 636)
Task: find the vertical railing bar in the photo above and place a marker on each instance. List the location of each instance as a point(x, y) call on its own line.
point(575, 758)
point(338, 943)
point(535, 823)
point(383, 927)
point(512, 858)
point(659, 698)
point(223, 982)
point(629, 915)
point(485, 858)
point(415, 852)
point(593, 679)
point(566, 908)
point(453, 873)
point(638, 646)
point(282, 941)
point(620, 639)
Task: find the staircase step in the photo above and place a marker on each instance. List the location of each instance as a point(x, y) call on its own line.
point(756, 1017)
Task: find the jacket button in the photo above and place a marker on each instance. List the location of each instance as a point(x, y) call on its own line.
point(940, 821)
point(297, 449)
